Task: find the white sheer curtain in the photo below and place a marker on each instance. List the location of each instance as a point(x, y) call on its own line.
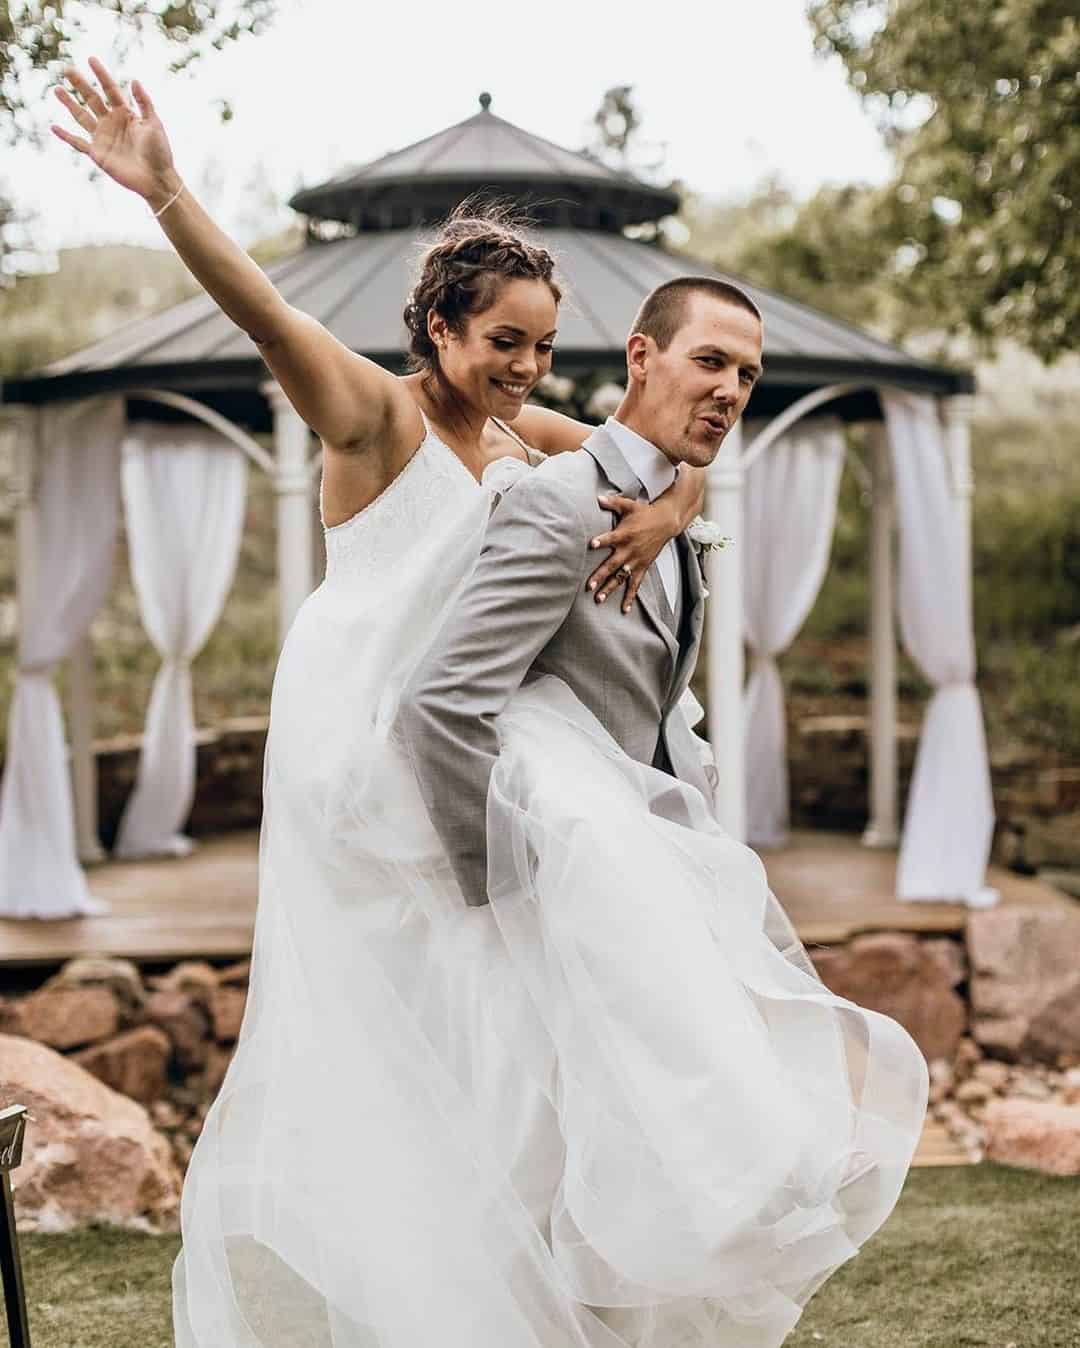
point(949, 823)
point(789, 499)
point(73, 546)
point(184, 493)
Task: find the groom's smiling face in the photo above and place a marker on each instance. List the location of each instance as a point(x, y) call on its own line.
point(691, 392)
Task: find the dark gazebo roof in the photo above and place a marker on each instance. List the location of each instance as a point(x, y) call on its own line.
point(424, 182)
point(357, 285)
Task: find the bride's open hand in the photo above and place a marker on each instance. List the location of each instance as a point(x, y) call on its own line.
point(128, 143)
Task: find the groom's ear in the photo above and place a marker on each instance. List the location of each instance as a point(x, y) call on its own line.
point(637, 355)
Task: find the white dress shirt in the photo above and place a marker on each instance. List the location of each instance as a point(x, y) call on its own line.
point(656, 473)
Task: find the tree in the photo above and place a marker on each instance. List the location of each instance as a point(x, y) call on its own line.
point(981, 103)
point(616, 120)
point(18, 255)
point(8, 218)
point(36, 39)
point(616, 139)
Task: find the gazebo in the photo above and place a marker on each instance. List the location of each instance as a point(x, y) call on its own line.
point(187, 388)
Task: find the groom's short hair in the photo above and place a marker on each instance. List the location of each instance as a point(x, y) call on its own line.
point(664, 309)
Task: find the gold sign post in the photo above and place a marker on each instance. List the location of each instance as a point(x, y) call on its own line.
point(12, 1131)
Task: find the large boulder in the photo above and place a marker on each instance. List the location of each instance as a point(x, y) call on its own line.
point(910, 980)
point(1034, 1134)
point(121, 977)
point(1025, 981)
point(195, 977)
point(91, 1155)
point(134, 1063)
point(65, 1017)
point(184, 1019)
point(227, 1012)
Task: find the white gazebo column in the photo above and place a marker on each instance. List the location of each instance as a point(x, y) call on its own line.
point(724, 618)
point(883, 827)
point(292, 483)
point(83, 764)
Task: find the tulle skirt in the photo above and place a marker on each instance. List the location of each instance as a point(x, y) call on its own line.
point(615, 1108)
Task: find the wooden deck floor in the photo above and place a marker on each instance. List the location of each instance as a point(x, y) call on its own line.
point(203, 905)
point(833, 888)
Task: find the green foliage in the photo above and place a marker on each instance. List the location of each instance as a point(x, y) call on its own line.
point(1031, 691)
point(36, 39)
point(982, 104)
point(1027, 567)
point(831, 257)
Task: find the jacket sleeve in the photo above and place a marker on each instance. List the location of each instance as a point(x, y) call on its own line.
point(531, 567)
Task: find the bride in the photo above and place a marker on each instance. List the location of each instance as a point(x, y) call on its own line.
point(628, 1116)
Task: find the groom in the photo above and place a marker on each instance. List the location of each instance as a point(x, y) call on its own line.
point(692, 359)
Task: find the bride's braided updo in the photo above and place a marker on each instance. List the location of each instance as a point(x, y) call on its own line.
point(476, 250)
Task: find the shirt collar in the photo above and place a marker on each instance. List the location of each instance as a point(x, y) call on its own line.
point(654, 470)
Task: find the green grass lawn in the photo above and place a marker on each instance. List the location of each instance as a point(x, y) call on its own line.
point(978, 1257)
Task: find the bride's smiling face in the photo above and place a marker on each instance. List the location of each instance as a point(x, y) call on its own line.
point(501, 353)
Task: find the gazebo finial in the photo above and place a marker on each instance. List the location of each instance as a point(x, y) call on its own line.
point(485, 102)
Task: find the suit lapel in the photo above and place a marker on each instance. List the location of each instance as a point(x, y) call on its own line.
point(612, 464)
point(653, 600)
point(694, 607)
point(626, 482)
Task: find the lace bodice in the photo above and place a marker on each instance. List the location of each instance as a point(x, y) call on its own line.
point(429, 487)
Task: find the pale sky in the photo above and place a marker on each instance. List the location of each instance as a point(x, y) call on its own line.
point(733, 90)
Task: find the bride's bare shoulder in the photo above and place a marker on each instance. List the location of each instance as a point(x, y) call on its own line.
point(549, 431)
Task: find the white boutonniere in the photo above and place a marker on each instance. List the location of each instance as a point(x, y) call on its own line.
point(501, 474)
point(704, 535)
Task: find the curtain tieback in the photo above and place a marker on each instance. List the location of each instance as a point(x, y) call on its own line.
point(761, 659)
point(41, 670)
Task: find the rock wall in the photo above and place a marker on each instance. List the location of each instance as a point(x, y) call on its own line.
point(228, 777)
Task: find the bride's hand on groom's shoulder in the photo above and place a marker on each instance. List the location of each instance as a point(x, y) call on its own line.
point(635, 543)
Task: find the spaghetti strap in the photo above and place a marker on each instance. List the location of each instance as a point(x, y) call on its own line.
point(532, 454)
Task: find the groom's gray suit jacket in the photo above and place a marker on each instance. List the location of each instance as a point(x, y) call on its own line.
point(525, 612)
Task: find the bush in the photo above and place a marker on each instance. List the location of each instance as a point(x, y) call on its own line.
point(1026, 566)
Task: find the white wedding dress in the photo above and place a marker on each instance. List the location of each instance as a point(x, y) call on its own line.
point(614, 1109)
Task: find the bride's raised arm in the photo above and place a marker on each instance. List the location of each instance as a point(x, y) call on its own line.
point(344, 398)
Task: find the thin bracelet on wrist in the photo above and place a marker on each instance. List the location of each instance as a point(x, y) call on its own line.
point(159, 213)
